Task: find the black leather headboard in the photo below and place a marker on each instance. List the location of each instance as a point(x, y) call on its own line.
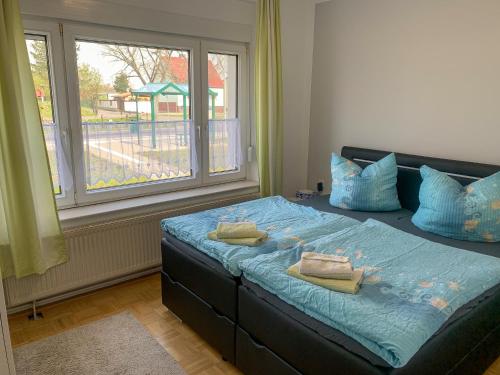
point(409, 179)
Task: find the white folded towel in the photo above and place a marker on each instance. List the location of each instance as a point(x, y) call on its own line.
point(325, 266)
point(243, 229)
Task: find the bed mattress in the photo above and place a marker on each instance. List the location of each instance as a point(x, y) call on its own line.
point(412, 286)
point(467, 343)
point(208, 278)
point(285, 222)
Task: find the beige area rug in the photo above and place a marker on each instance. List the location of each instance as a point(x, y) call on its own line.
point(115, 345)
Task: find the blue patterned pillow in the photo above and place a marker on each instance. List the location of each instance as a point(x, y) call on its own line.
point(371, 189)
point(447, 208)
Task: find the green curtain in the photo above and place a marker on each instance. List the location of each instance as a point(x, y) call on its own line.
point(31, 240)
point(269, 97)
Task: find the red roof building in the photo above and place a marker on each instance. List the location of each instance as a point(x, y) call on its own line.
point(179, 69)
point(39, 93)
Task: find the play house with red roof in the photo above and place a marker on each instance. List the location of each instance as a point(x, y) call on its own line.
point(178, 67)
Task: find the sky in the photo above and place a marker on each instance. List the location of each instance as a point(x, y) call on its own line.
point(92, 54)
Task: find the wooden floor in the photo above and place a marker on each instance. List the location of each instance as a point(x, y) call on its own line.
point(142, 298)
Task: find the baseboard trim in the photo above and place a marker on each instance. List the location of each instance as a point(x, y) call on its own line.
point(83, 290)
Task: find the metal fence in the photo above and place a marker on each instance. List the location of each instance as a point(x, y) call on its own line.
point(120, 153)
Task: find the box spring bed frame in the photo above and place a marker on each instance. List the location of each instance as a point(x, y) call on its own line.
point(261, 334)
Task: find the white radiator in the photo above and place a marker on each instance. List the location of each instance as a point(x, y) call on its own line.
point(99, 255)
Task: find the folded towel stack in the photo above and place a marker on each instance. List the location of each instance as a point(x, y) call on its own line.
point(329, 271)
point(326, 266)
point(242, 233)
point(343, 286)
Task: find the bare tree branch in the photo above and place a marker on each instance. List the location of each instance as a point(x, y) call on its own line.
point(148, 64)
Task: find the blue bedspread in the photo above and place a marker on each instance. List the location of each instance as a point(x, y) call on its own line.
point(287, 224)
point(411, 286)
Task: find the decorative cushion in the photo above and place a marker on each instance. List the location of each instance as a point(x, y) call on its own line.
point(447, 208)
point(371, 189)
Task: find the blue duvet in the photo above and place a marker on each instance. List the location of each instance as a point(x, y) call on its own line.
point(287, 224)
point(411, 286)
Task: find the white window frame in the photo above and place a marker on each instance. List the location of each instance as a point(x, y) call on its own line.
point(55, 57)
point(240, 51)
point(61, 46)
point(73, 33)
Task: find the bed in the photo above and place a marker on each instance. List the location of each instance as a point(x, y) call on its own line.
point(260, 333)
point(285, 340)
point(200, 277)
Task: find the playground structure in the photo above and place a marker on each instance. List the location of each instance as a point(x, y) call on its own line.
point(153, 91)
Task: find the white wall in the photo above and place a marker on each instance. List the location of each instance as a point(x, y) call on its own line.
point(236, 11)
point(297, 32)
point(419, 77)
point(144, 107)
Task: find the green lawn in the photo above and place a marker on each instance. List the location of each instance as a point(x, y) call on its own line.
point(86, 111)
point(46, 111)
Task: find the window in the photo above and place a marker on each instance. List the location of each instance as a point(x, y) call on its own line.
point(225, 110)
point(223, 126)
point(137, 112)
point(39, 61)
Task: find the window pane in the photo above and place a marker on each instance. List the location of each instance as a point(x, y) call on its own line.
point(223, 125)
point(37, 51)
point(135, 111)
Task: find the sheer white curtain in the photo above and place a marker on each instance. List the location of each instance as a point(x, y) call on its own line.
point(225, 145)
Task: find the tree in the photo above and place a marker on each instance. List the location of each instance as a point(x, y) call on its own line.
point(39, 66)
point(220, 63)
point(38, 54)
point(90, 84)
point(148, 64)
point(120, 83)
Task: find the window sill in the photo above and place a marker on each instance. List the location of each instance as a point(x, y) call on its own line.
point(109, 211)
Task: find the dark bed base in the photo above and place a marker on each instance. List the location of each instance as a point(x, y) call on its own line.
point(292, 342)
point(263, 328)
point(261, 339)
point(254, 358)
point(218, 330)
point(201, 294)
